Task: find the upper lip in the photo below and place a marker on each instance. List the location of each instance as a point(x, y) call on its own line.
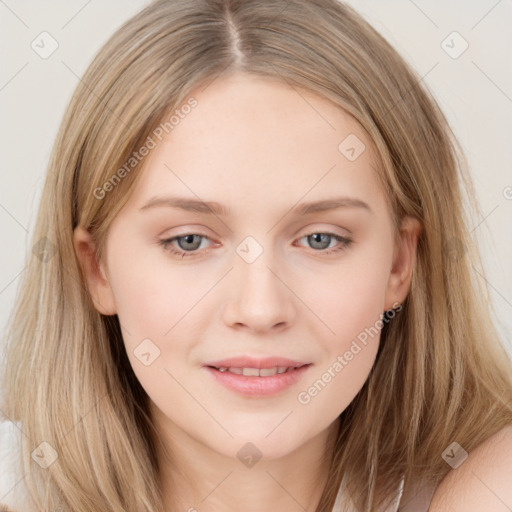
point(259, 363)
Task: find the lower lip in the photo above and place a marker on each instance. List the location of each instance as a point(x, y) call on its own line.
point(258, 386)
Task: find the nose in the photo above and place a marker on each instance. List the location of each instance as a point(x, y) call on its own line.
point(260, 300)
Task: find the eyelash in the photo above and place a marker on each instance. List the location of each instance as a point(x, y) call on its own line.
point(345, 244)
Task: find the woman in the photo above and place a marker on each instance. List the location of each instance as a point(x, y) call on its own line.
point(322, 345)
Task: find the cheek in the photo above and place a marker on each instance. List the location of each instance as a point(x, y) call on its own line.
point(351, 309)
point(351, 298)
point(349, 353)
point(149, 295)
point(152, 305)
point(148, 305)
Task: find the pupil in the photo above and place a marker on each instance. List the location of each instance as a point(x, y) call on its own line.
point(189, 239)
point(317, 237)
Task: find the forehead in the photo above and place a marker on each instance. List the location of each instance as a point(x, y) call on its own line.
point(251, 137)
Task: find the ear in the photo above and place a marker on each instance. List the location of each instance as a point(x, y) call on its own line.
point(94, 272)
point(404, 258)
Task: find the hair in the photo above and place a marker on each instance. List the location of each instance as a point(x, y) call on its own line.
point(66, 375)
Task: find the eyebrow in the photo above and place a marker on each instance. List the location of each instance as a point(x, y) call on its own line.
point(214, 208)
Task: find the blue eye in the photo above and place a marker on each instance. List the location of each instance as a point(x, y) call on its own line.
point(189, 244)
point(320, 238)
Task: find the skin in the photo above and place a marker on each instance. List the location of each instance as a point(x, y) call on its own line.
point(482, 481)
point(258, 147)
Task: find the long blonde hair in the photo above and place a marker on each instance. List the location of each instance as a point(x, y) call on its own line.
point(66, 376)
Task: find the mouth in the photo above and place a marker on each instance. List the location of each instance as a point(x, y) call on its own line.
point(257, 372)
point(259, 380)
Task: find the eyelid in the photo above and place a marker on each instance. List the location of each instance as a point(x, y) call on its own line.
point(316, 227)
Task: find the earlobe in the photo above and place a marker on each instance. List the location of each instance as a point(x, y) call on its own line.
point(403, 261)
point(94, 273)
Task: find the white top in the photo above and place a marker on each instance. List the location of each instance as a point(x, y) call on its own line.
point(340, 499)
point(14, 493)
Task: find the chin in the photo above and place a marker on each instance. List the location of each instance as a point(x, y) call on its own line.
point(268, 443)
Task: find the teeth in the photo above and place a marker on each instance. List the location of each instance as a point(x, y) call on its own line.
point(255, 372)
point(250, 372)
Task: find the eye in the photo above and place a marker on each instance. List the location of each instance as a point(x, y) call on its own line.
point(190, 243)
point(322, 241)
point(186, 244)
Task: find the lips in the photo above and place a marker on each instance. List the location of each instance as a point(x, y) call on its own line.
point(256, 377)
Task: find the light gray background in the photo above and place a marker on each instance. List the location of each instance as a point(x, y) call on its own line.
point(474, 90)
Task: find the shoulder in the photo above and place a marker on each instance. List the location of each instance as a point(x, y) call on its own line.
point(13, 493)
point(482, 481)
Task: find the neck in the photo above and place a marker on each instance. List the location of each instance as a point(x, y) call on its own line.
point(195, 477)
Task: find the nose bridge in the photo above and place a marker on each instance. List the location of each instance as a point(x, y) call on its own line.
point(260, 299)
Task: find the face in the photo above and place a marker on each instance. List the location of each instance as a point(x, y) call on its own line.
point(297, 259)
